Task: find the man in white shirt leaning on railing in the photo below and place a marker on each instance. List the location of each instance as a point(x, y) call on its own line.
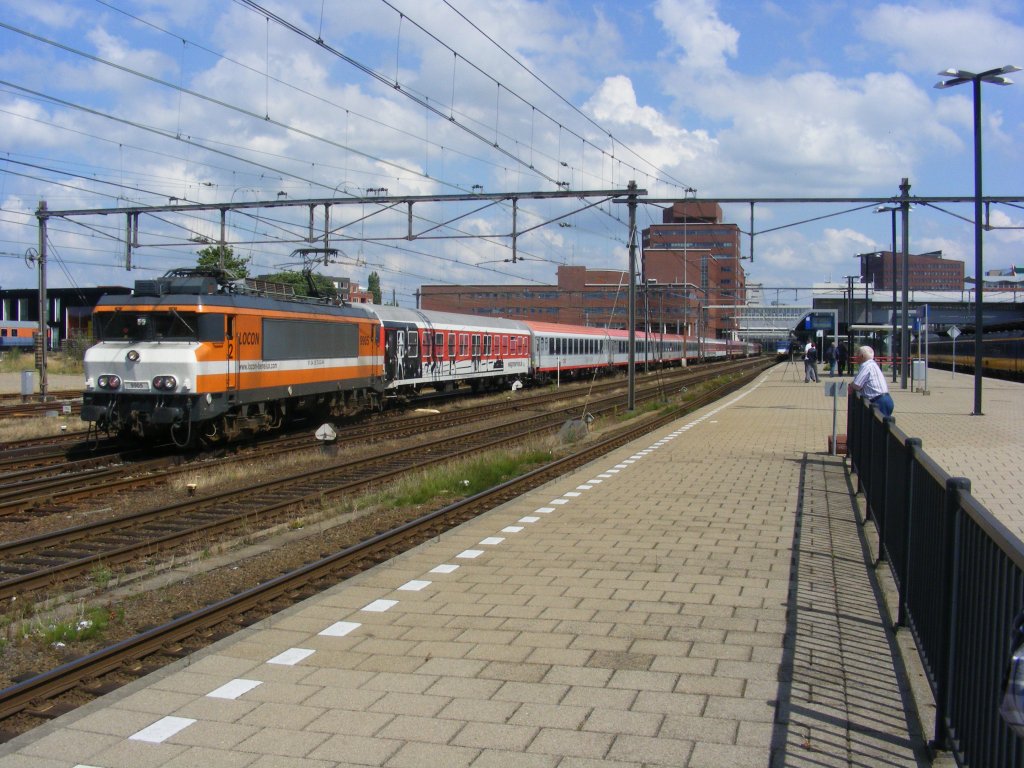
point(870, 382)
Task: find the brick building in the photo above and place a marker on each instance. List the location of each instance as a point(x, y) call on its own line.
point(690, 279)
point(697, 255)
point(926, 271)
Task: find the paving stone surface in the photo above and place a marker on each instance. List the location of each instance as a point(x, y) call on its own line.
point(703, 597)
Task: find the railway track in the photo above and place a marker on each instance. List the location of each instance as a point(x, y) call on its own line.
point(53, 558)
point(67, 402)
point(52, 693)
point(30, 492)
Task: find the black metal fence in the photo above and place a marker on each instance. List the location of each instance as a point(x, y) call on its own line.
point(960, 577)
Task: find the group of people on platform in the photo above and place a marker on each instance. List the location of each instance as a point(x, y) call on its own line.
point(870, 380)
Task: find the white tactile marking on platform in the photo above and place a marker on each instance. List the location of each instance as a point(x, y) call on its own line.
point(415, 585)
point(572, 494)
point(341, 628)
point(528, 519)
point(543, 510)
point(234, 689)
point(594, 481)
point(292, 656)
point(162, 729)
point(606, 475)
point(470, 554)
point(379, 606)
point(584, 487)
point(512, 529)
point(444, 568)
point(492, 541)
point(559, 502)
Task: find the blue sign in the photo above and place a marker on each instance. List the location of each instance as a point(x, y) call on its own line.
point(817, 322)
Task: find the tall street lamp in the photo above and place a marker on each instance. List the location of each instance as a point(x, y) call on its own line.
point(958, 77)
point(892, 210)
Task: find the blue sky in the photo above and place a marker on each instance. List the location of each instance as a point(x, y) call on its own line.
point(108, 104)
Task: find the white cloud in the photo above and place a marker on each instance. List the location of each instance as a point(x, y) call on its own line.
point(927, 38)
point(694, 26)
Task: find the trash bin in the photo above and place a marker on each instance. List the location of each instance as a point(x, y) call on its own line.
point(28, 384)
point(917, 370)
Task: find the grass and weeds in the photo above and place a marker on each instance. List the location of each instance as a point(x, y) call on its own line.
point(57, 363)
point(37, 426)
point(461, 478)
point(83, 625)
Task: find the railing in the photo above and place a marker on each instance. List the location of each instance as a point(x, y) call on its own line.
point(960, 577)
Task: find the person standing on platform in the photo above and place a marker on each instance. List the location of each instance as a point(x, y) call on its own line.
point(842, 358)
point(870, 382)
point(831, 358)
point(811, 363)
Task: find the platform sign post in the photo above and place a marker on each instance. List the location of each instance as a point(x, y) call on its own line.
point(835, 390)
point(953, 332)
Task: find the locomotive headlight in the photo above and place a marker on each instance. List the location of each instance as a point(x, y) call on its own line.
point(165, 383)
point(109, 381)
point(132, 356)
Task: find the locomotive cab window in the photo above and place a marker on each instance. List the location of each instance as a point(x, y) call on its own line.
point(147, 326)
point(211, 327)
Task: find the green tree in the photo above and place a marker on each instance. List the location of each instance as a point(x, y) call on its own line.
point(223, 257)
point(373, 286)
point(324, 285)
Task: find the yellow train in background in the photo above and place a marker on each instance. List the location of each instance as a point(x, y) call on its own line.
point(1002, 353)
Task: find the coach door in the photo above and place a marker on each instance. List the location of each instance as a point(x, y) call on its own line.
point(231, 357)
point(392, 356)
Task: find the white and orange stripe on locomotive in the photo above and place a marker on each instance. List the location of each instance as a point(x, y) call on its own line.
point(259, 349)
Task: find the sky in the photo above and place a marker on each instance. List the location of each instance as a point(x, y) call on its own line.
point(110, 105)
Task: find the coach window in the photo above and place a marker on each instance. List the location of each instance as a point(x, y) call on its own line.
point(476, 345)
point(504, 346)
point(487, 344)
point(413, 350)
point(463, 344)
point(451, 346)
point(426, 344)
point(439, 344)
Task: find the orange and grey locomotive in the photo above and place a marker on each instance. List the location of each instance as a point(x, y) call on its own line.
point(191, 355)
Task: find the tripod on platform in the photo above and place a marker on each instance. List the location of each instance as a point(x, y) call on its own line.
point(790, 364)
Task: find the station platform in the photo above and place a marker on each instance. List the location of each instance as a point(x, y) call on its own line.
point(701, 598)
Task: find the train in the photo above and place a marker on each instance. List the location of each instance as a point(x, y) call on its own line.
point(1002, 352)
point(16, 334)
point(195, 356)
